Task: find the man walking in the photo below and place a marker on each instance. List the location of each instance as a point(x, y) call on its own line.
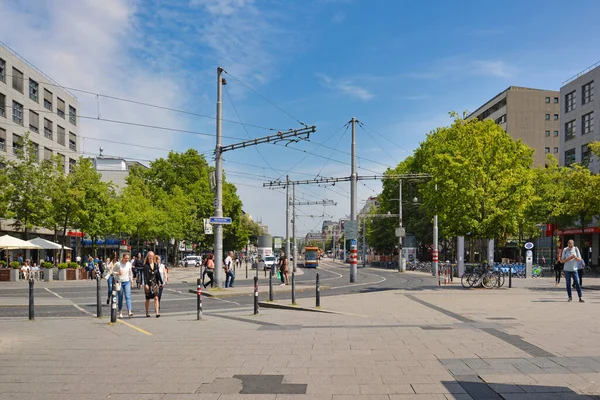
point(571, 257)
point(229, 275)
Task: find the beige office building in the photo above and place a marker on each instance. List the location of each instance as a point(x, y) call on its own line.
point(32, 102)
point(532, 115)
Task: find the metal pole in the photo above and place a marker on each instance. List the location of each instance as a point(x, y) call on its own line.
point(434, 270)
point(364, 252)
point(98, 301)
point(400, 238)
point(270, 286)
point(287, 219)
point(460, 250)
point(199, 299)
point(219, 183)
point(255, 295)
point(353, 196)
point(113, 301)
point(318, 293)
point(295, 253)
point(31, 303)
point(293, 289)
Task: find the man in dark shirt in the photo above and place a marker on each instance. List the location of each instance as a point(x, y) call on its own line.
point(138, 268)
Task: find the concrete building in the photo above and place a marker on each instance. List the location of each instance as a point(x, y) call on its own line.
point(32, 102)
point(114, 169)
point(532, 115)
point(371, 202)
point(577, 118)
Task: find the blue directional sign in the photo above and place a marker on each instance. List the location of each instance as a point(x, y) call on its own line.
point(353, 242)
point(220, 220)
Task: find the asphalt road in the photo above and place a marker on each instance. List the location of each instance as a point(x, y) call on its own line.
point(67, 299)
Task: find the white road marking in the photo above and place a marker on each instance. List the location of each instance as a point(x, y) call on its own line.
point(56, 294)
point(72, 302)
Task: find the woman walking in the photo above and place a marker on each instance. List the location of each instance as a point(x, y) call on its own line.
point(558, 268)
point(162, 270)
point(152, 283)
point(210, 270)
point(125, 278)
point(108, 274)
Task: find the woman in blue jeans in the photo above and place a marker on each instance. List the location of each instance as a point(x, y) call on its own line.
point(125, 277)
point(571, 258)
point(108, 274)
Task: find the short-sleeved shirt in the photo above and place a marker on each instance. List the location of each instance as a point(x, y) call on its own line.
point(570, 265)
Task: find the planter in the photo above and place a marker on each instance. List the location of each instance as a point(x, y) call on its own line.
point(48, 274)
point(14, 275)
point(71, 274)
point(62, 274)
point(54, 272)
point(4, 275)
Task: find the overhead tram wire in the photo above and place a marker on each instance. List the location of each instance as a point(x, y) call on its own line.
point(336, 145)
point(377, 143)
point(141, 103)
point(385, 137)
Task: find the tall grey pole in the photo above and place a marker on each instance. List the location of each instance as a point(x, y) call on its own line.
point(353, 195)
point(401, 267)
point(219, 183)
point(434, 270)
point(460, 249)
point(295, 252)
point(287, 219)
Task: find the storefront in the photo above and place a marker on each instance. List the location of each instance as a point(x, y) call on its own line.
point(586, 239)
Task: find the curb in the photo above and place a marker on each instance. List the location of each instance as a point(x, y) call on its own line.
point(222, 293)
point(279, 306)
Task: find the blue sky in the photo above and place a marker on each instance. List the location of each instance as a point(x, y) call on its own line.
point(397, 66)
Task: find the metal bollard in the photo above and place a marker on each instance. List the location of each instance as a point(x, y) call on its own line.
point(255, 295)
point(98, 301)
point(113, 301)
point(318, 299)
point(246, 269)
point(509, 276)
point(270, 287)
point(199, 301)
point(293, 289)
point(265, 269)
point(31, 305)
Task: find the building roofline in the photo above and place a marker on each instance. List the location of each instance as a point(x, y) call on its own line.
point(517, 88)
point(585, 71)
point(20, 57)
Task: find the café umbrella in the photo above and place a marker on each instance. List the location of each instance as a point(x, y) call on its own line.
point(8, 242)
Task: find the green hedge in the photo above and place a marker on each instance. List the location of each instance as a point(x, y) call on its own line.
point(15, 264)
point(47, 264)
point(63, 266)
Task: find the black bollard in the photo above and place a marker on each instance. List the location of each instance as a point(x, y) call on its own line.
point(509, 277)
point(98, 301)
point(113, 301)
point(31, 306)
point(270, 287)
point(246, 269)
point(255, 295)
point(199, 300)
point(293, 289)
point(318, 299)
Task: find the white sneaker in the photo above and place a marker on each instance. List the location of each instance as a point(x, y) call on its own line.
point(283, 284)
point(121, 315)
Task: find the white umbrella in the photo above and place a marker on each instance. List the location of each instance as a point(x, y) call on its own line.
point(46, 244)
point(8, 242)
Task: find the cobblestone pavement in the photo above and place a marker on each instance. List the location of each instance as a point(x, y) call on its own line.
point(417, 343)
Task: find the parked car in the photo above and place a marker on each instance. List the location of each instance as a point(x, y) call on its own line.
point(269, 261)
point(191, 261)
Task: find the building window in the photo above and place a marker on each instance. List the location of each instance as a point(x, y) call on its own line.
point(2, 139)
point(72, 115)
point(547, 150)
point(60, 107)
point(47, 129)
point(570, 130)
point(556, 100)
point(62, 161)
point(569, 157)
point(33, 90)
point(36, 152)
point(17, 113)
point(548, 100)
point(547, 117)
point(60, 135)
point(556, 150)
point(17, 80)
point(48, 99)
point(587, 92)
point(47, 153)
point(570, 101)
point(501, 120)
point(17, 144)
point(587, 123)
point(2, 70)
point(72, 141)
point(556, 117)
point(2, 105)
point(556, 133)
point(586, 154)
point(34, 122)
point(72, 164)
point(547, 133)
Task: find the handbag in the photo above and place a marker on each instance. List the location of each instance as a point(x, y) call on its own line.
point(278, 275)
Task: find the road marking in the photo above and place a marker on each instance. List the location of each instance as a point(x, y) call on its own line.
point(225, 301)
point(383, 279)
point(134, 327)
point(72, 302)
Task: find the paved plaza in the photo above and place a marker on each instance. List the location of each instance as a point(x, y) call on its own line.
point(414, 342)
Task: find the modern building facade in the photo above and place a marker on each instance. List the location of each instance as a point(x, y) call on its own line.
point(577, 118)
point(32, 102)
point(532, 115)
point(115, 170)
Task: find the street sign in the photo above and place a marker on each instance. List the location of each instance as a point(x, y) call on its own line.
point(353, 242)
point(220, 220)
point(529, 245)
point(400, 232)
point(208, 229)
point(351, 229)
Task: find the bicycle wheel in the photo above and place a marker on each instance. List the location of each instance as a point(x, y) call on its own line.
point(501, 279)
point(489, 280)
point(466, 280)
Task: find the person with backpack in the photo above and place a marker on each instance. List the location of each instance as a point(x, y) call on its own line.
point(571, 258)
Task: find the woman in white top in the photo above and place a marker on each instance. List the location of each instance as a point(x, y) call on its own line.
point(125, 277)
point(108, 275)
point(162, 270)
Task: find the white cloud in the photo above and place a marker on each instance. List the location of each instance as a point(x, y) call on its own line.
point(222, 7)
point(347, 87)
point(496, 68)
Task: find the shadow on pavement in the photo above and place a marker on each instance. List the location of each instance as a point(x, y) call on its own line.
point(478, 389)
